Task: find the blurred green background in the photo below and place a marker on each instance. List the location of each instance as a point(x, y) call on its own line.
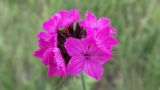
point(136, 61)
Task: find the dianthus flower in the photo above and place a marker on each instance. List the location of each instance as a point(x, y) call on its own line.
point(70, 46)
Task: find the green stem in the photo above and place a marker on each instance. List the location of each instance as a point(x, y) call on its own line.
point(60, 83)
point(83, 82)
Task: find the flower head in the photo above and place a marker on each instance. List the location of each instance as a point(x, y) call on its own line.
point(69, 46)
point(86, 56)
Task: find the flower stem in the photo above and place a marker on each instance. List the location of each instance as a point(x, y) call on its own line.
point(83, 81)
point(60, 83)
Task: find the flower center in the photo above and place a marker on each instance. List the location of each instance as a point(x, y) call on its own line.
point(63, 33)
point(87, 56)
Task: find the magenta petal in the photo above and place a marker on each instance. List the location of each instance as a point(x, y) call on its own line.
point(73, 46)
point(113, 30)
point(112, 41)
point(90, 17)
point(108, 43)
point(50, 25)
point(100, 57)
point(42, 35)
point(103, 22)
point(43, 44)
point(75, 14)
point(39, 53)
point(97, 55)
point(67, 18)
point(105, 41)
point(89, 22)
point(59, 61)
point(93, 69)
point(75, 65)
point(48, 57)
point(54, 70)
point(57, 66)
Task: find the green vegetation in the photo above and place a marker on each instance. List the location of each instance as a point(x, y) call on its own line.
point(136, 61)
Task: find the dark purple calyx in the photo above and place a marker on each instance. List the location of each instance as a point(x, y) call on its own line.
point(77, 32)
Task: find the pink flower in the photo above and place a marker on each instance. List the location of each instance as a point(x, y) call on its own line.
point(61, 19)
point(105, 40)
point(90, 22)
point(69, 46)
point(45, 43)
point(101, 31)
point(50, 55)
point(86, 56)
point(48, 51)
